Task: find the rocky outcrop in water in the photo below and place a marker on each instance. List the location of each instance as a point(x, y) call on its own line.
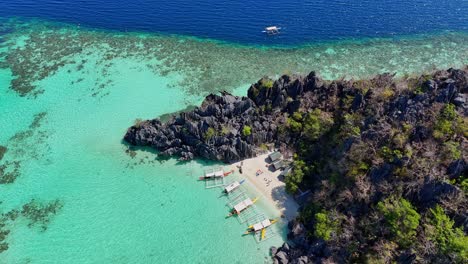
point(230, 128)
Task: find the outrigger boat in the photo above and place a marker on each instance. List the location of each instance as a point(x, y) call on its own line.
point(260, 227)
point(272, 30)
point(231, 187)
point(215, 174)
point(238, 208)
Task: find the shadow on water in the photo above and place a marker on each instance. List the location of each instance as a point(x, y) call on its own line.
point(132, 151)
point(166, 117)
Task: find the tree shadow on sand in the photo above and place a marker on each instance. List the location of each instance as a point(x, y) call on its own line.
point(284, 200)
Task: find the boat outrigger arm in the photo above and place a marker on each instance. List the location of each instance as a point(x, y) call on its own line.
point(238, 208)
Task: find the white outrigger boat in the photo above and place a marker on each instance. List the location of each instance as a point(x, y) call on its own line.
point(238, 208)
point(233, 186)
point(272, 30)
point(215, 174)
point(260, 227)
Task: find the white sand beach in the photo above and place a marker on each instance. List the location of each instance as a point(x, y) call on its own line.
point(268, 184)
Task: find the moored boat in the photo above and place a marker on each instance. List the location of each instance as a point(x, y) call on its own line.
point(260, 226)
point(215, 174)
point(233, 186)
point(238, 208)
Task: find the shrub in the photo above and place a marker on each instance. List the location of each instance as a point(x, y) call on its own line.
point(224, 131)
point(387, 93)
point(389, 154)
point(246, 131)
point(449, 123)
point(448, 239)
point(138, 122)
point(358, 169)
point(452, 151)
point(350, 126)
point(401, 219)
point(266, 83)
point(210, 132)
point(294, 126)
point(464, 185)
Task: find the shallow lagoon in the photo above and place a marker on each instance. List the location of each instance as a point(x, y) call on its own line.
point(88, 86)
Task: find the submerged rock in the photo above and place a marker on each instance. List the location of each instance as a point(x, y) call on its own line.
point(3, 150)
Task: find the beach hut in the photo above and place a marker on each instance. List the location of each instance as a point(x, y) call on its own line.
point(283, 174)
point(278, 165)
point(274, 156)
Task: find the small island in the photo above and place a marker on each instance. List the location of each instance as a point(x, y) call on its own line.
point(377, 165)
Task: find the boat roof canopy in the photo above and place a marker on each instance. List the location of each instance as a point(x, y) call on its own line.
point(231, 186)
point(263, 224)
point(242, 205)
point(271, 28)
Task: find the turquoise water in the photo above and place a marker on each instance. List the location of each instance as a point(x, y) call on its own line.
point(91, 85)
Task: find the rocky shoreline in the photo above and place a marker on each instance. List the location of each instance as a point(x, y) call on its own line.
point(376, 136)
point(230, 128)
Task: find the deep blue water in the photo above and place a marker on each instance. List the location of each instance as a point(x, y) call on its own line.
point(303, 21)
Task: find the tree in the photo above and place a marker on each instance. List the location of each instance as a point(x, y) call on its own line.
point(324, 225)
point(294, 122)
point(448, 239)
point(401, 218)
point(316, 123)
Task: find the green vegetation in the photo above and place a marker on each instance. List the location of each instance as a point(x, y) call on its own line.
point(350, 125)
point(224, 131)
point(449, 240)
point(138, 122)
point(389, 154)
point(387, 93)
point(401, 218)
point(316, 123)
point(210, 133)
point(324, 225)
point(449, 123)
point(246, 131)
point(266, 83)
point(295, 177)
point(295, 123)
point(263, 147)
point(452, 150)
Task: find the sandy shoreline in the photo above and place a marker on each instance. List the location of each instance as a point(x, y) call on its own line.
point(268, 184)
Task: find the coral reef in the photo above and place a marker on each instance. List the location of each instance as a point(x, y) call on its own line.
point(37, 213)
point(206, 65)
